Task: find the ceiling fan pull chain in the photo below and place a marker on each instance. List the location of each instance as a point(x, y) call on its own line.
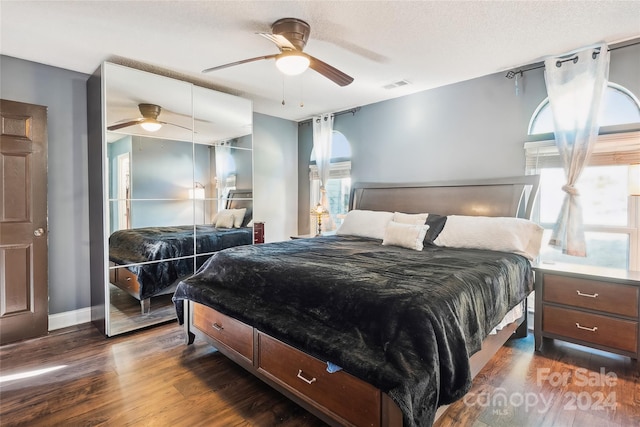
point(301, 93)
point(283, 91)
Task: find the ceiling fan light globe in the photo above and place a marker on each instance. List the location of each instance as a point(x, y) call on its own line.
point(151, 126)
point(292, 63)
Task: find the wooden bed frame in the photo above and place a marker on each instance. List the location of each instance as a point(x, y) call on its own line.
point(354, 401)
point(127, 281)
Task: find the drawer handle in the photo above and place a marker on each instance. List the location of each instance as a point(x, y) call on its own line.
point(311, 381)
point(128, 279)
point(217, 327)
point(587, 295)
point(595, 328)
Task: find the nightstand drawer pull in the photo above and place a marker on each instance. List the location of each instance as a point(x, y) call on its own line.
point(595, 328)
point(587, 295)
point(217, 327)
point(311, 381)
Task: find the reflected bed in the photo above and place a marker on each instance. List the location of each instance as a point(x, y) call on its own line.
point(150, 261)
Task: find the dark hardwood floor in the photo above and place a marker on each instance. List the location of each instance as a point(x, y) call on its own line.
point(151, 378)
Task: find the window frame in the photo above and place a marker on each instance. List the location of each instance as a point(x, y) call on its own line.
point(616, 145)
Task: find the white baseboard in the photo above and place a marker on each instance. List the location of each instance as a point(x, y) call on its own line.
point(69, 318)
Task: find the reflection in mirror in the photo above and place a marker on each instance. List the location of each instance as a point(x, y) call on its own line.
point(127, 310)
point(166, 187)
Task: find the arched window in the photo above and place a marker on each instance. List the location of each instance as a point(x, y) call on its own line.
point(619, 107)
point(339, 185)
point(610, 208)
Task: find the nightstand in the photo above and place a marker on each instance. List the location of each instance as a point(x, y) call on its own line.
point(592, 306)
point(258, 232)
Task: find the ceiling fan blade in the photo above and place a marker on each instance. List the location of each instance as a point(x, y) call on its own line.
point(125, 124)
point(244, 61)
point(281, 41)
point(173, 124)
point(329, 72)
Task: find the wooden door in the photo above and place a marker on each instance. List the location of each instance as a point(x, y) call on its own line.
point(23, 221)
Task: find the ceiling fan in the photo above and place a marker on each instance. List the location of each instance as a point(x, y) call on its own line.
point(291, 35)
point(149, 120)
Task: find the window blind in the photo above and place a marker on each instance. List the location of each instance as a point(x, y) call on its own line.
point(337, 171)
point(613, 149)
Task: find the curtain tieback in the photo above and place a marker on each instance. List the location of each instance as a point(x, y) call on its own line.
point(570, 189)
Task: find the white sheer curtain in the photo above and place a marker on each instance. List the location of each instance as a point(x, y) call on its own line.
point(224, 168)
point(322, 132)
point(575, 84)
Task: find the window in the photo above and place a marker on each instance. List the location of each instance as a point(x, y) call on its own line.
point(339, 185)
point(619, 107)
point(611, 216)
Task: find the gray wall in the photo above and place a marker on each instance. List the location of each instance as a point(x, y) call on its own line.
point(64, 93)
point(472, 129)
point(275, 173)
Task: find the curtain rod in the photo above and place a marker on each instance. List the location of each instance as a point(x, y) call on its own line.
point(512, 73)
point(339, 113)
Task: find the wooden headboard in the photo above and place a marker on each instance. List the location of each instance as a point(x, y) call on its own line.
point(513, 197)
point(238, 199)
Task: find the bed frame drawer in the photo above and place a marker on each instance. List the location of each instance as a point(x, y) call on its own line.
point(126, 280)
point(592, 294)
point(591, 328)
point(353, 400)
point(232, 333)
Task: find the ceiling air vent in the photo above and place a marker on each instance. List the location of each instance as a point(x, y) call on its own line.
point(396, 84)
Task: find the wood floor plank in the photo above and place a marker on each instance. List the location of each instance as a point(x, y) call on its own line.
point(151, 378)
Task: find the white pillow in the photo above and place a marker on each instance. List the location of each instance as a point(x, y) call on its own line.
point(238, 216)
point(409, 236)
point(404, 218)
point(365, 224)
point(224, 219)
point(503, 234)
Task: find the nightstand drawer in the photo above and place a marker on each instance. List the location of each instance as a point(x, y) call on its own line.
point(591, 294)
point(230, 332)
point(591, 328)
point(350, 398)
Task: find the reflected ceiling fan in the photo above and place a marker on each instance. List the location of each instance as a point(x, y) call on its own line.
point(149, 120)
point(291, 35)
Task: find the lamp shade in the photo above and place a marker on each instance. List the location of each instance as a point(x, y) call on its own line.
point(634, 180)
point(292, 63)
point(197, 192)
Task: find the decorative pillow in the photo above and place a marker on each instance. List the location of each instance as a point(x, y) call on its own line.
point(436, 224)
point(409, 236)
point(224, 219)
point(503, 234)
point(434, 221)
point(238, 216)
point(415, 219)
point(365, 224)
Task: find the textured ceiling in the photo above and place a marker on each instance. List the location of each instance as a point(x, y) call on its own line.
point(427, 43)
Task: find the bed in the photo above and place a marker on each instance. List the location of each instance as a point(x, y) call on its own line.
point(364, 333)
point(150, 261)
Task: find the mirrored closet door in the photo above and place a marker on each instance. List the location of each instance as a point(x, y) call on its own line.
point(164, 156)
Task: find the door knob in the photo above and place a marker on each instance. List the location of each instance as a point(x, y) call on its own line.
point(38, 232)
